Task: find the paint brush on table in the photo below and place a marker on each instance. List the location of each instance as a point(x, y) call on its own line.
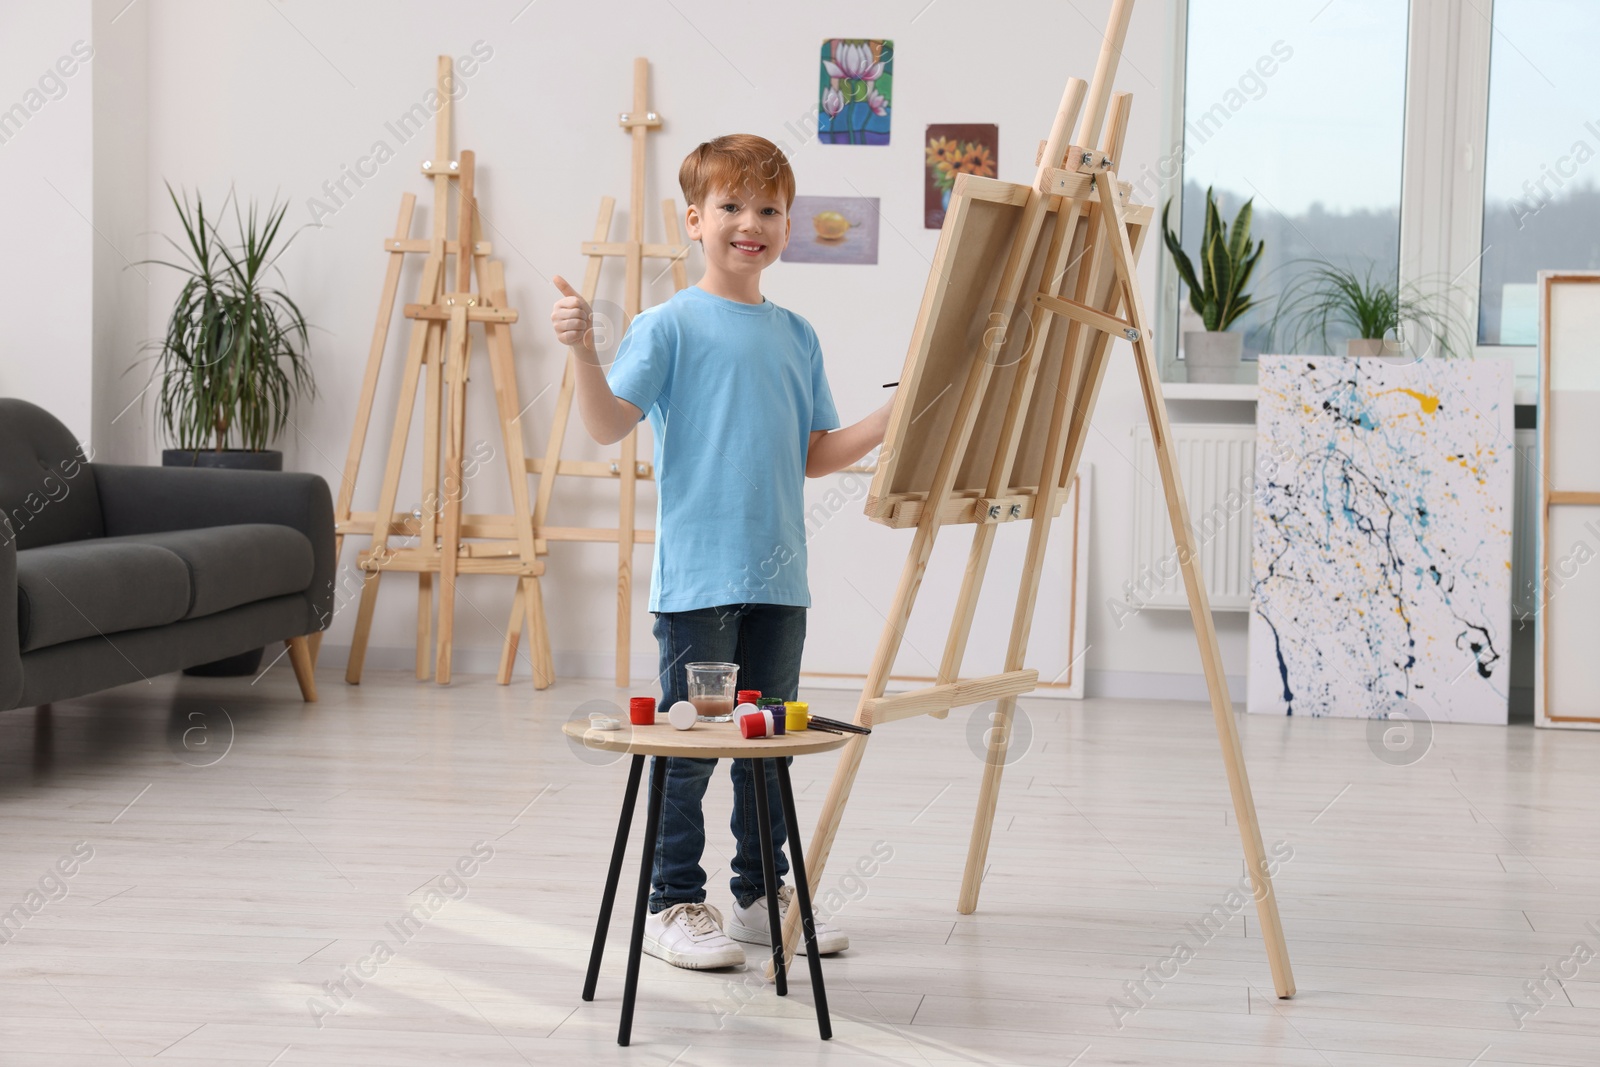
point(813, 724)
point(835, 725)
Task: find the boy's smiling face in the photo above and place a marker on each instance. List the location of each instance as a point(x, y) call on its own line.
point(741, 232)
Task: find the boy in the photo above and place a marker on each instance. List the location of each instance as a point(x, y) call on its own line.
point(736, 393)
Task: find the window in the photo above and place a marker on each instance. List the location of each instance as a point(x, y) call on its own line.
point(1541, 206)
point(1300, 107)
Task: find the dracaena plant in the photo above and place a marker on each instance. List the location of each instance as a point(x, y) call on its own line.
point(235, 354)
point(1217, 294)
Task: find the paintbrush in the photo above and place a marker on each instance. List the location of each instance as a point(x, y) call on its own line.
point(836, 725)
point(812, 724)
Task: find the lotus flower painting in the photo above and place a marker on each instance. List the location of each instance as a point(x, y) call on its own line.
point(833, 229)
point(856, 92)
point(950, 151)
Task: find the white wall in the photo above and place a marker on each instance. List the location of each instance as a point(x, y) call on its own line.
point(278, 98)
point(46, 152)
point(122, 283)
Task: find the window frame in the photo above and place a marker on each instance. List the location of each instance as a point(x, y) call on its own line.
point(1446, 130)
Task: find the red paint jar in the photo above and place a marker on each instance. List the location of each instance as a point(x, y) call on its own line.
point(642, 711)
point(756, 722)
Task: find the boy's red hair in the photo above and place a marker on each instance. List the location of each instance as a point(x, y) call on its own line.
point(740, 162)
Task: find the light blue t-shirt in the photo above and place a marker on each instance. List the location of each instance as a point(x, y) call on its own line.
point(733, 392)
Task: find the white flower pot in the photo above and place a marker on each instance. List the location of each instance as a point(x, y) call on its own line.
point(1212, 357)
point(1390, 351)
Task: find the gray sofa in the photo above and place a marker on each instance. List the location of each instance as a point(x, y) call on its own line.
point(124, 573)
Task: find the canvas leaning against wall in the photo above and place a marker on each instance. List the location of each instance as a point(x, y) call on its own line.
point(1381, 557)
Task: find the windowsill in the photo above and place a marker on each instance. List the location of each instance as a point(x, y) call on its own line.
point(1525, 390)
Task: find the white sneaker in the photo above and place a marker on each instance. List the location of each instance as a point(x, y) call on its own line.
point(752, 926)
point(690, 935)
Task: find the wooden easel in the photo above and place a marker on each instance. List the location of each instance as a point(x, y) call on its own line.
point(626, 470)
point(1009, 448)
point(449, 542)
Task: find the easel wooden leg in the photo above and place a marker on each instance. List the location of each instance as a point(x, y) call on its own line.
point(994, 765)
point(544, 666)
point(369, 389)
point(390, 490)
point(432, 428)
point(363, 627)
point(999, 737)
point(821, 846)
point(508, 647)
point(424, 626)
point(450, 546)
point(528, 605)
point(955, 646)
point(844, 775)
point(528, 600)
point(1244, 806)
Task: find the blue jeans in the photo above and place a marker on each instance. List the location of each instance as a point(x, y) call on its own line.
point(765, 640)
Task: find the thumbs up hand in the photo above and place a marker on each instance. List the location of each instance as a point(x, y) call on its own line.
point(572, 318)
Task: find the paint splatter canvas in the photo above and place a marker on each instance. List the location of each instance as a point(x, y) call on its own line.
point(833, 229)
point(856, 96)
point(1381, 556)
point(953, 149)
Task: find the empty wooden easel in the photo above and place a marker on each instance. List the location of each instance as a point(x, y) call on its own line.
point(449, 541)
point(988, 427)
point(627, 470)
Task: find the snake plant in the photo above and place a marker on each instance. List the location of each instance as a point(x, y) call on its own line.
point(1218, 293)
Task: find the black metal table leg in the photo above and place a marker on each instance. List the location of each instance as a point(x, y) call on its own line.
point(802, 892)
point(613, 875)
point(769, 874)
point(641, 904)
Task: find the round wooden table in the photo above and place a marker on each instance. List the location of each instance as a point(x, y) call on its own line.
point(707, 740)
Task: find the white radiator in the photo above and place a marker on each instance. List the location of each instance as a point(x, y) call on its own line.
point(1216, 463)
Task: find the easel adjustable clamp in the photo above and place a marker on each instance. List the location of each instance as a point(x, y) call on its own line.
point(998, 510)
point(1077, 158)
point(454, 167)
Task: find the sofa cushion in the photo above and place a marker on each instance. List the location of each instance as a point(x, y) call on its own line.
point(83, 588)
point(228, 566)
point(47, 489)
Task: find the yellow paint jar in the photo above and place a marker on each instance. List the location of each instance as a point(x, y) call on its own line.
point(796, 714)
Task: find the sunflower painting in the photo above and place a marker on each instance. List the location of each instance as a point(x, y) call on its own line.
point(949, 151)
point(857, 91)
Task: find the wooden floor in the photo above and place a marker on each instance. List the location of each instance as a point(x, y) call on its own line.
point(249, 852)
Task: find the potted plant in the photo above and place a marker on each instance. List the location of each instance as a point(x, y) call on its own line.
point(1399, 322)
point(1217, 293)
point(235, 354)
point(234, 357)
